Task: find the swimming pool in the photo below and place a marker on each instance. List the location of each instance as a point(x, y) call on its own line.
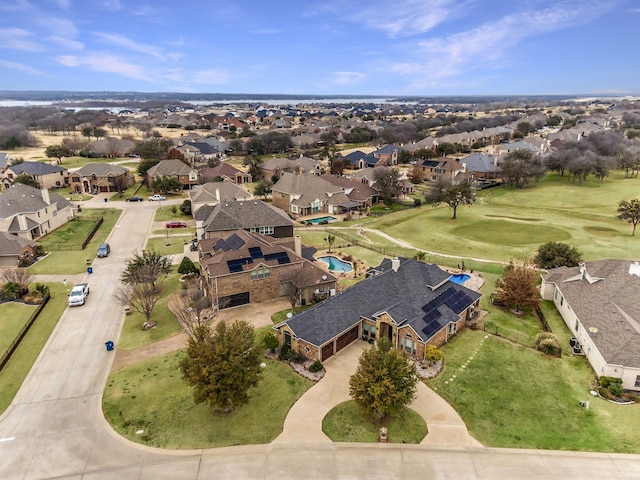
point(316, 221)
point(459, 278)
point(335, 264)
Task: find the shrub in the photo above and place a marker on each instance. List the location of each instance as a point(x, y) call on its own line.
point(285, 353)
point(270, 341)
point(41, 289)
point(316, 366)
point(417, 202)
point(11, 290)
point(433, 354)
point(186, 207)
point(297, 357)
point(616, 389)
point(546, 342)
point(187, 266)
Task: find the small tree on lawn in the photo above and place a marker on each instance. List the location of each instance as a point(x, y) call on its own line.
point(518, 287)
point(187, 266)
point(385, 381)
point(453, 195)
point(221, 365)
point(330, 239)
point(630, 211)
point(557, 254)
point(270, 341)
point(20, 276)
point(263, 188)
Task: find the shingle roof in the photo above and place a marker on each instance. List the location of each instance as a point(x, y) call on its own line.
point(170, 167)
point(20, 198)
point(309, 188)
point(12, 245)
point(214, 192)
point(478, 162)
point(100, 170)
point(36, 168)
point(232, 215)
point(355, 190)
point(417, 294)
point(610, 305)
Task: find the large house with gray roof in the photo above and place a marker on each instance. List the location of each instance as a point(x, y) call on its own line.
point(212, 193)
point(599, 303)
point(99, 178)
point(16, 251)
point(174, 168)
point(31, 213)
point(411, 303)
point(47, 175)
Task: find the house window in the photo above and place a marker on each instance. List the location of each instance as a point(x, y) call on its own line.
point(75, 179)
point(260, 273)
point(410, 345)
point(577, 325)
point(263, 230)
point(561, 300)
point(453, 328)
point(637, 380)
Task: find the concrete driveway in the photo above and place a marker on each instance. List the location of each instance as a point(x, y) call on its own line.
point(55, 429)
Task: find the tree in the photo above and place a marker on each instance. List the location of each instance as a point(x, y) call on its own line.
point(142, 296)
point(26, 179)
point(525, 128)
point(251, 162)
point(384, 382)
point(330, 239)
point(630, 211)
point(521, 167)
point(557, 254)
point(518, 287)
point(416, 175)
point(145, 164)
point(156, 148)
point(221, 365)
point(270, 341)
point(148, 267)
point(337, 167)
point(452, 194)
point(388, 181)
point(165, 184)
point(187, 266)
point(186, 207)
point(58, 151)
point(263, 188)
point(20, 276)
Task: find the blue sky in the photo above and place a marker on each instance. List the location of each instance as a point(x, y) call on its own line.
point(374, 47)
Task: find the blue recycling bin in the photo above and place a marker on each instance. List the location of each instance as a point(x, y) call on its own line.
point(106, 200)
point(89, 270)
point(109, 345)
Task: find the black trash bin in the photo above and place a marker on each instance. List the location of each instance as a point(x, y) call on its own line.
point(109, 345)
point(106, 200)
point(573, 341)
point(89, 270)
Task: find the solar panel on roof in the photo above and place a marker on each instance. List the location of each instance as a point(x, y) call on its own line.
point(234, 267)
point(255, 252)
point(283, 260)
point(234, 242)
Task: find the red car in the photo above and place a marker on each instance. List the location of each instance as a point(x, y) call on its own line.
point(176, 225)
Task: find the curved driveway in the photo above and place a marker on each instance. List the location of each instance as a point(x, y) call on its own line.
point(55, 429)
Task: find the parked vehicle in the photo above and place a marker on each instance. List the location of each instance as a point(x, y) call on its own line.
point(156, 198)
point(78, 295)
point(104, 250)
point(176, 225)
point(135, 198)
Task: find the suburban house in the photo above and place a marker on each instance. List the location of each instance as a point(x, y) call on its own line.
point(305, 194)
point(599, 303)
point(413, 304)
point(359, 160)
point(226, 173)
point(31, 213)
point(355, 190)
point(443, 168)
point(186, 176)
point(47, 175)
point(278, 166)
point(245, 267)
point(251, 215)
point(481, 166)
point(16, 251)
point(387, 155)
point(5, 160)
point(213, 193)
point(100, 177)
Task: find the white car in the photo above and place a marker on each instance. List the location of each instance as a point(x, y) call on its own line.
point(78, 294)
point(156, 198)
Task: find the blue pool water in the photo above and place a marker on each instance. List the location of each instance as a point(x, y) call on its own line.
point(335, 264)
point(459, 278)
point(316, 221)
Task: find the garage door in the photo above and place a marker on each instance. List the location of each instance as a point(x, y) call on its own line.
point(234, 300)
point(327, 351)
point(347, 338)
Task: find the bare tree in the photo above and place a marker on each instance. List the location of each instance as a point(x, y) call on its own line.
point(142, 297)
point(192, 309)
point(20, 276)
point(293, 284)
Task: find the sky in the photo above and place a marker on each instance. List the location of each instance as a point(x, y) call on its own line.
point(341, 47)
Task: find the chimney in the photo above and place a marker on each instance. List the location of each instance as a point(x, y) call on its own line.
point(22, 222)
point(395, 264)
point(45, 196)
point(218, 194)
point(583, 269)
point(298, 246)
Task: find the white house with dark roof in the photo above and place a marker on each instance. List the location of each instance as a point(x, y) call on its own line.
point(599, 302)
point(31, 213)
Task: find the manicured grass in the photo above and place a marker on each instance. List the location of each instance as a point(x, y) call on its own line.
point(281, 316)
point(159, 244)
point(345, 423)
point(521, 329)
point(165, 212)
point(17, 368)
point(511, 223)
point(133, 336)
point(74, 261)
point(77, 162)
point(152, 396)
point(13, 316)
point(512, 396)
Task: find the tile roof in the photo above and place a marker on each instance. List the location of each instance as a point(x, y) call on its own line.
point(610, 305)
point(417, 294)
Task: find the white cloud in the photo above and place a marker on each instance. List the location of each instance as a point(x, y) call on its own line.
point(20, 67)
point(55, 25)
point(111, 5)
point(121, 41)
point(99, 62)
point(66, 42)
point(347, 78)
point(19, 39)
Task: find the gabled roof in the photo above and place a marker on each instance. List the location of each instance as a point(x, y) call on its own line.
point(234, 215)
point(479, 162)
point(100, 170)
point(215, 192)
point(387, 150)
point(170, 167)
point(20, 198)
point(355, 190)
point(36, 168)
point(12, 245)
point(604, 296)
point(304, 164)
point(205, 148)
point(308, 188)
point(221, 170)
point(417, 294)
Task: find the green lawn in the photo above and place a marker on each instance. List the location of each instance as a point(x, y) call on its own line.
point(133, 336)
point(281, 316)
point(74, 261)
point(166, 212)
point(345, 423)
point(511, 224)
point(159, 244)
point(17, 368)
point(13, 316)
point(151, 396)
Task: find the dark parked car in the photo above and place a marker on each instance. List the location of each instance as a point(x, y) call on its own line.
point(135, 199)
point(176, 225)
point(104, 250)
